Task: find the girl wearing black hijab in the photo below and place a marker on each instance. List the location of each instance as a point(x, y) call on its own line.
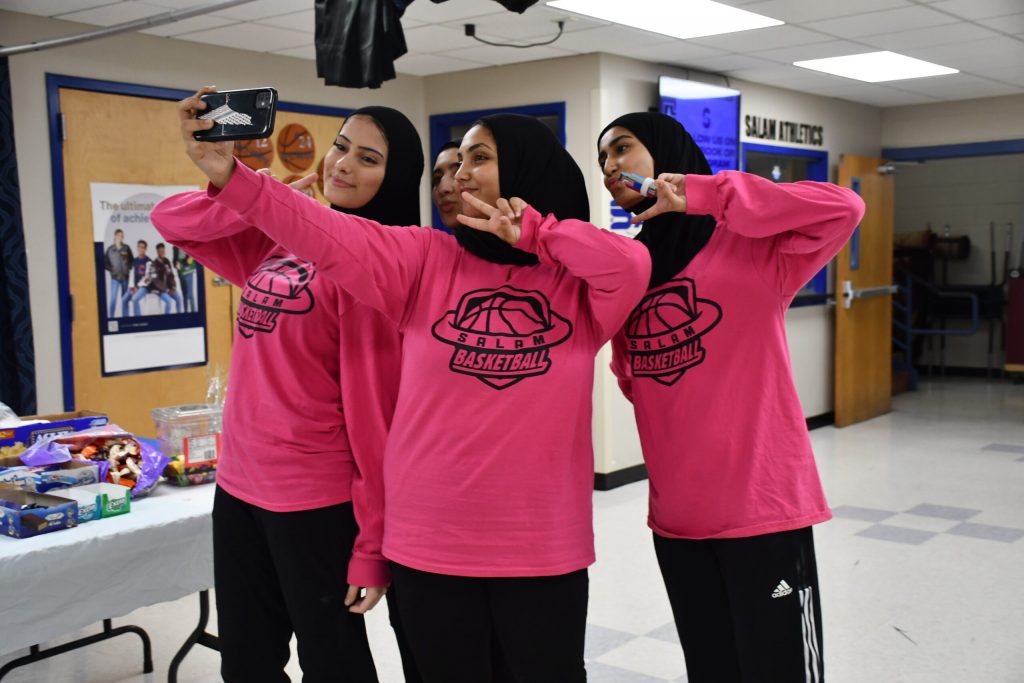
point(733, 485)
point(314, 377)
point(488, 468)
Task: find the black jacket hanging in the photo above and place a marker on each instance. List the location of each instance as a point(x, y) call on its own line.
point(357, 41)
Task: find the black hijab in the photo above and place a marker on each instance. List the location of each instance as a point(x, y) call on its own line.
point(672, 238)
point(397, 202)
point(532, 165)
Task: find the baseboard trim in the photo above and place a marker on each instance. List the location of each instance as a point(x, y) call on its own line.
point(606, 481)
point(824, 420)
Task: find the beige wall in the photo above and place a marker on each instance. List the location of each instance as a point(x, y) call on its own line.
point(948, 123)
point(145, 60)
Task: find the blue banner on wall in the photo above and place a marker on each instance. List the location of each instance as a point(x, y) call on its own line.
point(710, 114)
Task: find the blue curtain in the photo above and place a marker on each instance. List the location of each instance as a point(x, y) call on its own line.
point(17, 358)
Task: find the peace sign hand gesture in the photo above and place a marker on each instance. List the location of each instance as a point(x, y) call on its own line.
point(504, 220)
point(671, 197)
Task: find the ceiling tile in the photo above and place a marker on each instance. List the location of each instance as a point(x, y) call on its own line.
point(505, 55)
point(111, 15)
point(430, 39)
point(610, 39)
point(428, 65)
point(250, 37)
point(903, 19)
point(676, 52)
point(1012, 74)
point(875, 95)
point(50, 8)
point(955, 87)
point(536, 24)
point(303, 22)
point(947, 34)
point(832, 48)
point(260, 9)
point(790, 77)
point(452, 10)
point(1012, 23)
point(200, 23)
point(802, 11)
point(763, 39)
point(727, 63)
point(975, 56)
point(978, 9)
point(304, 52)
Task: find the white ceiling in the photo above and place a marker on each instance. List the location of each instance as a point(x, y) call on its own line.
point(984, 39)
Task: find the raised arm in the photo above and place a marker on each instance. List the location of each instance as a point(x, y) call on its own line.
point(212, 234)
point(809, 221)
point(616, 269)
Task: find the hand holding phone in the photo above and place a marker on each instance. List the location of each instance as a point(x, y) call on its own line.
point(237, 114)
point(215, 159)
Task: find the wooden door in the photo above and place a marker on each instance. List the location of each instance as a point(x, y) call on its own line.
point(863, 371)
point(135, 140)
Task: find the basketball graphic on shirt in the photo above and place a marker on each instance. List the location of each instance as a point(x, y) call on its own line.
point(502, 336)
point(665, 330)
point(279, 285)
point(295, 147)
point(255, 154)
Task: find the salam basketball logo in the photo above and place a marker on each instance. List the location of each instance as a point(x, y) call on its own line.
point(502, 336)
point(279, 285)
point(664, 331)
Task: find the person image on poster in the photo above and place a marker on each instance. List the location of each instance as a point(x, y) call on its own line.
point(163, 274)
point(187, 268)
point(118, 262)
point(150, 277)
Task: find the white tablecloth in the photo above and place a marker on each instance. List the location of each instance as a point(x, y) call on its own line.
point(57, 583)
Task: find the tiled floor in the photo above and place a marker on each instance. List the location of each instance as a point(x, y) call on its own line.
point(922, 569)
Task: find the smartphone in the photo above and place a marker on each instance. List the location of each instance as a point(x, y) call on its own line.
point(238, 114)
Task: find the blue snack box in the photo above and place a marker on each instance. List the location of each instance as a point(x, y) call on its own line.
point(52, 514)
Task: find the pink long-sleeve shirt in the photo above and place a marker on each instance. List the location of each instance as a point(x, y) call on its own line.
point(312, 384)
point(488, 469)
point(705, 362)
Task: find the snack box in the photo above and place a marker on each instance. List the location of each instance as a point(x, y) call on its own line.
point(56, 425)
point(50, 513)
point(40, 480)
point(190, 435)
point(96, 501)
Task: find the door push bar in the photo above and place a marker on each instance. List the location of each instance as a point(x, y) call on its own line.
point(849, 293)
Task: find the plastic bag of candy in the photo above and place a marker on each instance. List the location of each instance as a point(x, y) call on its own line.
point(121, 458)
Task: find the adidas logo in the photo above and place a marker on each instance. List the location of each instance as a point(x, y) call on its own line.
point(782, 590)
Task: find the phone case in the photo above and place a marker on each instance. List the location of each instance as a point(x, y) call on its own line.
point(239, 114)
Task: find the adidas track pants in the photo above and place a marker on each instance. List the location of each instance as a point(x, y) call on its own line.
point(746, 609)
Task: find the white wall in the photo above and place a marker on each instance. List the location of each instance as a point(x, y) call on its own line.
point(966, 194)
point(145, 60)
point(948, 123)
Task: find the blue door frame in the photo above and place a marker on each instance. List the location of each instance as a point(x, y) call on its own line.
point(54, 82)
point(440, 124)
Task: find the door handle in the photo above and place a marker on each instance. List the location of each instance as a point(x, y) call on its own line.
point(218, 281)
point(849, 293)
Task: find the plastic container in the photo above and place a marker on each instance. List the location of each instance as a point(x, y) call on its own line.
point(190, 435)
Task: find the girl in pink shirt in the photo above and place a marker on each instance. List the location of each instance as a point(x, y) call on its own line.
point(734, 488)
point(314, 378)
point(488, 468)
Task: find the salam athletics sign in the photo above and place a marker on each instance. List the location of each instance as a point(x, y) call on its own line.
point(784, 131)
